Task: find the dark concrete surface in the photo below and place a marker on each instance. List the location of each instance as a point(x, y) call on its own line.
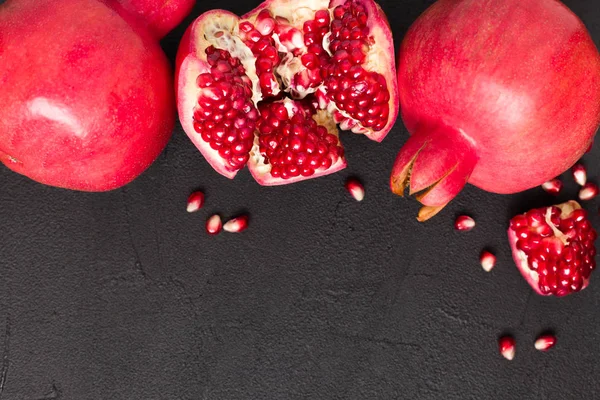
point(123, 296)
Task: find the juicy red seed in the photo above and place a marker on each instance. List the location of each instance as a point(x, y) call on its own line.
point(545, 342)
point(236, 225)
point(195, 202)
point(487, 260)
point(579, 174)
point(355, 188)
point(506, 346)
point(553, 186)
point(214, 224)
point(464, 223)
point(588, 191)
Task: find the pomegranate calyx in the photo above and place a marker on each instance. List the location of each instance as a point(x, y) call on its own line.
point(434, 164)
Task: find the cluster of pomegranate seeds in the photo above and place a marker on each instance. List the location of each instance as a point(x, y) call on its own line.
point(558, 248)
point(316, 56)
point(225, 116)
point(295, 145)
point(258, 38)
point(361, 94)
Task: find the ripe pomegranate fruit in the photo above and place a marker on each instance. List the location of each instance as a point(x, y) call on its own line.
point(87, 97)
point(504, 95)
point(553, 248)
point(267, 89)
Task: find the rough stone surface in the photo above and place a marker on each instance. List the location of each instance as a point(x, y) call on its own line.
point(123, 296)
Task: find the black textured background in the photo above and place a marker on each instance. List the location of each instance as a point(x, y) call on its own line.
point(122, 295)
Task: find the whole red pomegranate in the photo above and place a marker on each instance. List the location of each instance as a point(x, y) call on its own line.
point(502, 94)
point(87, 97)
point(553, 248)
point(267, 89)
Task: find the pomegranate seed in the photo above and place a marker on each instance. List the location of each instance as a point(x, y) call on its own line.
point(588, 191)
point(488, 260)
point(195, 202)
point(553, 186)
point(356, 189)
point(545, 342)
point(464, 223)
point(579, 174)
point(506, 345)
point(214, 224)
point(236, 225)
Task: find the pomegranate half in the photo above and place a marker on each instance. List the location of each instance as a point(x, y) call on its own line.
point(554, 249)
point(87, 97)
point(504, 95)
point(267, 89)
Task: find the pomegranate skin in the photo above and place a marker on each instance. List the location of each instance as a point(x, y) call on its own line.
point(160, 16)
point(87, 95)
point(513, 85)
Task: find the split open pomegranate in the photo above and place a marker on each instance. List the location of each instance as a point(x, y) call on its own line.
point(267, 89)
point(553, 248)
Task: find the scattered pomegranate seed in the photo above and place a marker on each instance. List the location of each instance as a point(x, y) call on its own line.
point(195, 202)
point(579, 174)
point(545, 342)
point(236, 225)
point(553, 186)
point(506, 345)
point(588, 191)
point(214, 224)
point(488, 260)
point(355, 188)
point(464, 223)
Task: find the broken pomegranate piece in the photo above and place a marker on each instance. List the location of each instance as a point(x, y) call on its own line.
point(267, 89)
point(553, 248)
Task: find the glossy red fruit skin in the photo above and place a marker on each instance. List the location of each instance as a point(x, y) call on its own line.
point(79, 112)
point(474, 78)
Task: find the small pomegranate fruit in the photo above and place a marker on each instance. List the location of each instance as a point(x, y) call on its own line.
point(579, 174)
point(214, 224)
point(588, 191)
point(87, 93)
point(553, 248)
point(486, 104)
point(487, 260)
point(545, 342)
point(355, 188)
point(464, 223)
point(236, 225)
point(267, 89)
point(506, 346)
point(195, 202)
point(553, 186)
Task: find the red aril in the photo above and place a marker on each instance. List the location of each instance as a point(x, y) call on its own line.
point(504, 95)
point(553, 247)
point(87, 93)
point(267, 89)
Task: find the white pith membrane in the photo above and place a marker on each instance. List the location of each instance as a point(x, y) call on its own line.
point(566, 210)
